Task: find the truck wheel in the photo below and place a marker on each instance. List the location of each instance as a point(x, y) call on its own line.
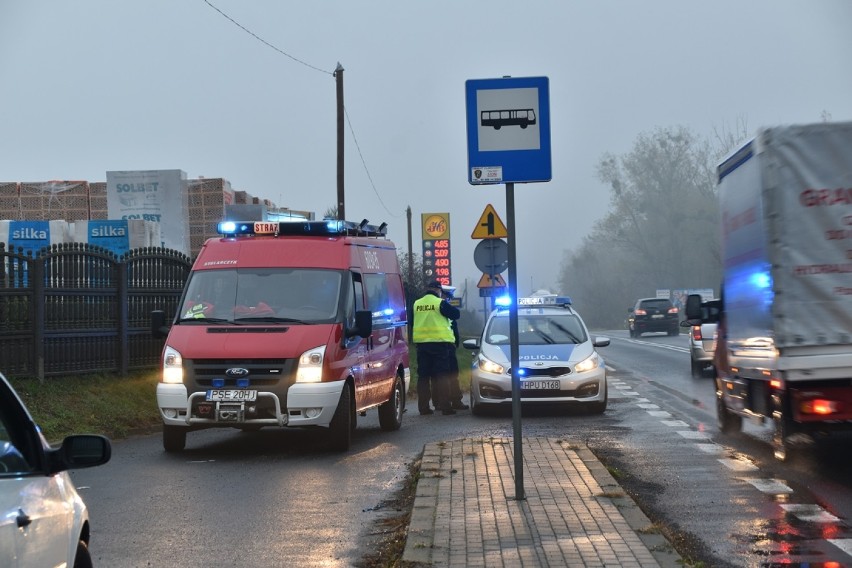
point(390, 412)
point(783, 429)
point(340, 429)
point(174, 438)
point(729, 423)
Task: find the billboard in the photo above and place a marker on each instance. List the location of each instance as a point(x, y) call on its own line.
point(152, 195)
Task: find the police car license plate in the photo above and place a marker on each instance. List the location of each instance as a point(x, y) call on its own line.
point(657, 316)
point(231, 395)
point(540, 385)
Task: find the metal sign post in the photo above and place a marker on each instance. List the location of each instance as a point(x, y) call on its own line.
point(508, 134)
point(515, 356)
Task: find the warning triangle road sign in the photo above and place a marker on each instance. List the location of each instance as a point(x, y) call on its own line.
point(488, 281)
point(489, 226)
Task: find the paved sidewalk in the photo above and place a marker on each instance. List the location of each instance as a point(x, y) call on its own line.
point(575, 514)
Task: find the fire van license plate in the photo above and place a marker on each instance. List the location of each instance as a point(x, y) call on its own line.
point(231, 395)
point(540, 385)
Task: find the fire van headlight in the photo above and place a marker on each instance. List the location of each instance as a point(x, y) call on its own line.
point(591, 362)
point(172, 366)
point(310, 365)
point(490, 366)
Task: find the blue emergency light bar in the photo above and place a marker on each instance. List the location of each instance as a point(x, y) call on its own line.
point(327, 227)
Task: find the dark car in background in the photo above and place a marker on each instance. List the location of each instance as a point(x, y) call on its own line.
point(653, 315)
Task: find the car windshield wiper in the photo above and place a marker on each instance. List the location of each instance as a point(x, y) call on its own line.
point(204, 320)
point(573, 337)
point(546, 337)
point(269, 319)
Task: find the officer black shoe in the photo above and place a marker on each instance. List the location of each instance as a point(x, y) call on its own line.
point(460, 406)
point(427, 411)
point(448, 411)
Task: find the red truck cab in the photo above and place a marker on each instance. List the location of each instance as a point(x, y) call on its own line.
point(289, 324)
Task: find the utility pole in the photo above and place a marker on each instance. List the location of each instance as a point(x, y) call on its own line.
point(410, 250)
point(338, 76)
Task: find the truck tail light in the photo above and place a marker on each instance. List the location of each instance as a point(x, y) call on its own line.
point(696, 332)
point(820, 406)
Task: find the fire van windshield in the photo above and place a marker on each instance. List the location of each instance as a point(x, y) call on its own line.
point(269, 295)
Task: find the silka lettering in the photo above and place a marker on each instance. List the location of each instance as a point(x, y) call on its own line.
point(107, 232)
point(29, 233)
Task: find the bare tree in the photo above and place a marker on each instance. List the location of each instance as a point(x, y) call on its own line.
point(661, 231)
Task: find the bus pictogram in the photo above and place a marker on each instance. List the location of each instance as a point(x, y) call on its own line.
point(522, 117)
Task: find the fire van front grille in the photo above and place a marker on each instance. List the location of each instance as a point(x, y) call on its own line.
point(262, 373)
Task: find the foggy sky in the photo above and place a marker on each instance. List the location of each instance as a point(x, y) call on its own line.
point(97, 85)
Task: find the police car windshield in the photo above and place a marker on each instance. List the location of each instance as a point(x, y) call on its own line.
point(538, 329)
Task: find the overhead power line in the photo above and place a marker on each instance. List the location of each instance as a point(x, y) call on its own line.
point(264, 42)
point(297, 60)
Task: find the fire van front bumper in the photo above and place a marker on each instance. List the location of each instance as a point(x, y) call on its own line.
point(308, 404)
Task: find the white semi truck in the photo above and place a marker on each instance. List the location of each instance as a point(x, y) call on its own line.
point(784, 351)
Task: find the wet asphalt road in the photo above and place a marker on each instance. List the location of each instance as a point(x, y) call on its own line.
point(276, 497)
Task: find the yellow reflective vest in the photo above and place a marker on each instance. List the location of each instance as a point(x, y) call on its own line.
point(430, 325)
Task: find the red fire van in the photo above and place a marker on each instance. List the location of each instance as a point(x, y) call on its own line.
point(298, 324)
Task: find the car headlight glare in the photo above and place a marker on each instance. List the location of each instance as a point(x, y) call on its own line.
point(310, 365)
point(489, 366)
point(589, 363)
point(172, 366)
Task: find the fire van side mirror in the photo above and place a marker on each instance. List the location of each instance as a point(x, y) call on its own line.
point(159, 329)
point(363, 324)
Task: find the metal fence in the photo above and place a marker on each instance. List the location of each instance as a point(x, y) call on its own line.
point(75, 308)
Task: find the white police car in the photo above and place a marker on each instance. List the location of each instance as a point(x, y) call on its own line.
point(558, 362)
point(43, 520)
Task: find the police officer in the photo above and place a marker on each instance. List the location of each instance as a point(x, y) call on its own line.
point(435, 343)
point(455, 392)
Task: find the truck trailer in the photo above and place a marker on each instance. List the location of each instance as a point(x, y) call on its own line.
point(784, 350)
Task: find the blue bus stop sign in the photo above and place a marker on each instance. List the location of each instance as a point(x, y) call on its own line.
point(508, 130)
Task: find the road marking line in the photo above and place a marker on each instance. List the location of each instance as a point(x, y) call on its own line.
point(648, 406)
point(844, 544)
point(771, 486)
point(676, 423)
point(812, 513)
point(693, 435)
point(659, 413)
point(737, 465)
point(710, 448)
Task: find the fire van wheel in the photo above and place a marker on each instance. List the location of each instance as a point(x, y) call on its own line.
point(174, 438)
point(729, 423)
point(390, 413)
point(340, 429)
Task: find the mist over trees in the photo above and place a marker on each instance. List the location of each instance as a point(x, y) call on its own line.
point(662, 229)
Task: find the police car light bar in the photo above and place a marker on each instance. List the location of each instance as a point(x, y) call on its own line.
point(532, 301)
point(310, 228)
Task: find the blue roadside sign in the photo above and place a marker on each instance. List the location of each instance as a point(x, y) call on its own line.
point(508, 130)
